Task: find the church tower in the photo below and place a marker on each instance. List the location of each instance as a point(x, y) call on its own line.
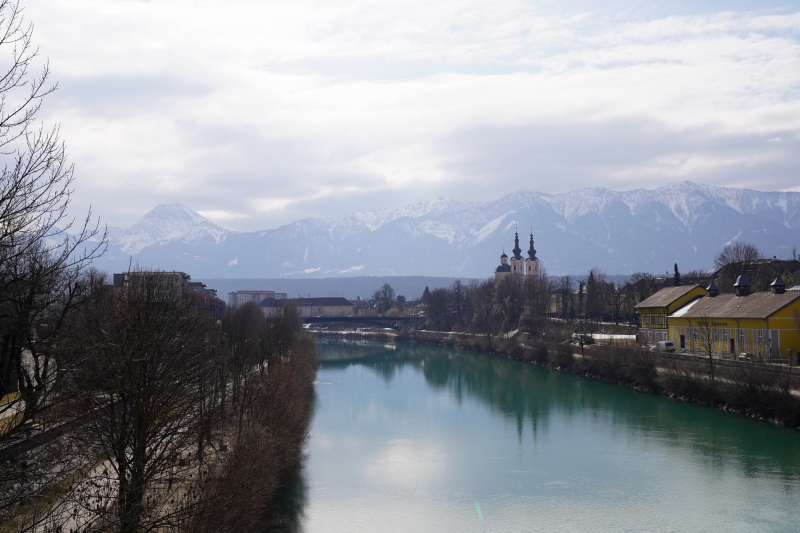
point(504, 269)
point(517, 261)
point(532, 263)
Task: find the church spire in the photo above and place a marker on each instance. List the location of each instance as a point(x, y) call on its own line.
point(517, 250)
point(532, 250)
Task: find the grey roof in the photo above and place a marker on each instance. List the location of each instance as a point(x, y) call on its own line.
point(503, 268)
point(532, 252)
point(742, 281)
point(755, 305)
point(664, 297)
point(517, 250)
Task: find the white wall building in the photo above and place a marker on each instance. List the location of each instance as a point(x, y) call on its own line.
point(312, 307)
point(239, 298)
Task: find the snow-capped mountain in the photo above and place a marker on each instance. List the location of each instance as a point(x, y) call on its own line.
point(164, 224)
point(620, 232)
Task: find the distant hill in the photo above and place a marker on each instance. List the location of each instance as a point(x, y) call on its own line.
point(620, 232)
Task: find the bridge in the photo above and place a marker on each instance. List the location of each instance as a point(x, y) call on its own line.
point(393, 322)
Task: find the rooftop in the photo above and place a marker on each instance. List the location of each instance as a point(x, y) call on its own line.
point(664, 297)
point(755, 305)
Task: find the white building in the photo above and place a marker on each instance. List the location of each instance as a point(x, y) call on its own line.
point(239, 298)
point(311, 307)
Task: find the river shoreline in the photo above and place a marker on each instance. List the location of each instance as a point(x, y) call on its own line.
point(706, 393)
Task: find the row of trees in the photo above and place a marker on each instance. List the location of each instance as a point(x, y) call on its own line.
point(487, 307)
point(493, 306)
point(124, 409)
point(159, 418)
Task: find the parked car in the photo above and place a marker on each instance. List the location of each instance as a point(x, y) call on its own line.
point(744, 356)
point(663, 346)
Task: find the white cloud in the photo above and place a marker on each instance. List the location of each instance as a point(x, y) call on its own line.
point(274, 111)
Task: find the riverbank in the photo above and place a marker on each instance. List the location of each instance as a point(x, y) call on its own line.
point(751, 389)
point(377, 334)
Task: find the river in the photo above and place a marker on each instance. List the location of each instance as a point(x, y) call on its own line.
point(412, 437)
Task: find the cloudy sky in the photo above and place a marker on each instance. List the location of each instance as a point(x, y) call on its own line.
point(257, 113)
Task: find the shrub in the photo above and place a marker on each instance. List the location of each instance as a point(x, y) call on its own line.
point(562, 357)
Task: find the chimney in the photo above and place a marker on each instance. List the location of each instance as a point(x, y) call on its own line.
point(742, 285)
point(778, 286)
point(712, 289)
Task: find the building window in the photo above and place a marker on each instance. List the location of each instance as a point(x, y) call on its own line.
point(741, 337)
point(726, 333)
point(760, 336)
point(650, 337)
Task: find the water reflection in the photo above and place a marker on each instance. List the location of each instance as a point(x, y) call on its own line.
point(530, 395)
point(435, 421)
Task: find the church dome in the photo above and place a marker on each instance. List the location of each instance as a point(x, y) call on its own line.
point(503, 268)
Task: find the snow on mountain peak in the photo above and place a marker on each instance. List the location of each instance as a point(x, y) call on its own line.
point(168, 223)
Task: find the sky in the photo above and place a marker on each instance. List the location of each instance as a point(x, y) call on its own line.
point(258, 113)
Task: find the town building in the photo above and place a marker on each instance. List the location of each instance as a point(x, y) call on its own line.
point(239, 298)
point(760, 272)
point(311, 307)
point(653, 311)
point(177, 285)
point(170, 278)
point(518, 265)
point(200, 287)
point(763, 324)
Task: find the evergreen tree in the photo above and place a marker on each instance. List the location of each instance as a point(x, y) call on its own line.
point(677, 276)
point(591, 296)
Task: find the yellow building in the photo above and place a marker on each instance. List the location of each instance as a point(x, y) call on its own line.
point(762, 323)
point(653, 311)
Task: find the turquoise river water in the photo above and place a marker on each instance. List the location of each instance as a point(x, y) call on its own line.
point(414, 437)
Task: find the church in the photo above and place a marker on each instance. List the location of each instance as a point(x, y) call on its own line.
point(518, 265)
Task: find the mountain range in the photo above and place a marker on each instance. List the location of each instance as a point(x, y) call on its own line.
point(619, 232)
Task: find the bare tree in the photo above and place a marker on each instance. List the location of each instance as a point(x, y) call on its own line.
point(42, 254)
point(617, 297)
point(737, 256)
point(706, 337)
point(140, 358)
point(43, 260)
point(564, 290)
point(643, 286)
point(480, 306)
point(508, 301)
point(384, 298)
point(537, 294)
point(458, 292)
